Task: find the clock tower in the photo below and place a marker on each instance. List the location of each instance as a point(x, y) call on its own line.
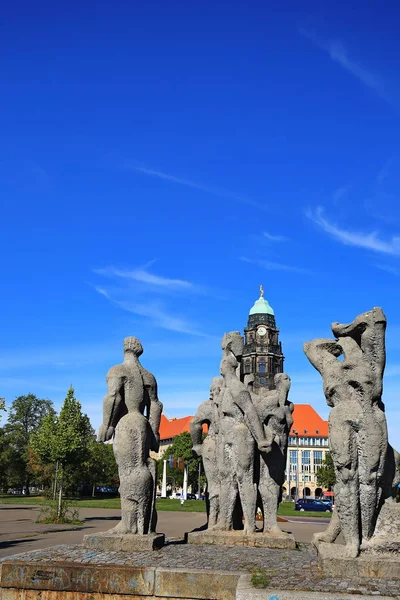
point(262, 354)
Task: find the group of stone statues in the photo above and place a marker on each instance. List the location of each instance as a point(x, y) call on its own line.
point(244, 452)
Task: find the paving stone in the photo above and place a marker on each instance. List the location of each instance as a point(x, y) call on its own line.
point(285, 569)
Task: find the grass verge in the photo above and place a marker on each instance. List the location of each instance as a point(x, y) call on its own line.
point(286, 509)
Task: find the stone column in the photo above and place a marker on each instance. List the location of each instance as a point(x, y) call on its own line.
point(185, 481)
point(164, 480)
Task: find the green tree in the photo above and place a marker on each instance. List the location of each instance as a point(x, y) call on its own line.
point(181, 447)
point(25, 417)
point(326, 474)
point(2, 405)
point(100, 467)
point(64, 439)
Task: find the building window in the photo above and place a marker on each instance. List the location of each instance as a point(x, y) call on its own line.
point(317, 459)
point(293, 460)
point(261, 365)
point(306, 477)
point(305, 460)
point(262, 380)
point(247, 368)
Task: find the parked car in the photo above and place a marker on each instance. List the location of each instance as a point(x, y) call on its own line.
point(190, 496)
point(313, 505)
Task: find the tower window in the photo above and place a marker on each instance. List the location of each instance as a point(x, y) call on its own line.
point(247, 367)
point(262, 380)
point(262, 365)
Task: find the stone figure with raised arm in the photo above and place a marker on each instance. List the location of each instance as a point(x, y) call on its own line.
point(357, 424)
point(208, 413)
point(275, 413)
point(132, 413)
point(240, 430)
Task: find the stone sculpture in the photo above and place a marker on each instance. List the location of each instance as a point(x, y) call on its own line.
point(275, 413)
point(365, 464)
point(240, 429)
point(244, 453)
point(132, 413)
point(208, 413)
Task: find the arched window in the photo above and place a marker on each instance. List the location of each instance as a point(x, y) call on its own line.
point(262, 365)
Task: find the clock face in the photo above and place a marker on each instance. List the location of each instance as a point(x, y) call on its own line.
point(261, 331)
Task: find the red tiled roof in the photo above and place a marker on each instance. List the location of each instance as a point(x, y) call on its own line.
point(305, 418)
point(169, 428)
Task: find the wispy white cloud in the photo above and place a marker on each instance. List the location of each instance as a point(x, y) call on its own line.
point(275, 238)
point(389, 269)
point(339, 54)
point(274, 266)
point(339, 194)
point(209, 189)
point(144, 276)
point(158, 315)
point(139, 292)
point(370, 241)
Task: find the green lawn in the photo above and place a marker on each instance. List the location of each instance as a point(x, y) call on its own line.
point(286, 509)
point(162, 504)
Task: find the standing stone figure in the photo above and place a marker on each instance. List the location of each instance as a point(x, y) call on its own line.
point(357, 424)
point(239, 430)
point(132, 413)
point(208, 413)
point(275, 413)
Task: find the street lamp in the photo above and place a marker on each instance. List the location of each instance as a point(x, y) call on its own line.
point(296, 433)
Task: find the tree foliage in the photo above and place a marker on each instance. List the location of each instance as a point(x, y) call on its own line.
point(100, 467)
point(64, 438)
point(181, 447)
point(2, 405)
point(25, 417)
point(326, 474)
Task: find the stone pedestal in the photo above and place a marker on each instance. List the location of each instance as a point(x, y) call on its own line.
point(129, 542)
point(73, 573)
point(282, 541)
point(333, 563)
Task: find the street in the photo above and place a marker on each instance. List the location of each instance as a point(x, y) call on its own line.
point(19, 531)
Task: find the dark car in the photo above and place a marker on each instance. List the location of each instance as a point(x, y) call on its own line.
point(314, 505)
point(190, 496)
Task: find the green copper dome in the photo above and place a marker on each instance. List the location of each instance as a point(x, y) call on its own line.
point(261, 306)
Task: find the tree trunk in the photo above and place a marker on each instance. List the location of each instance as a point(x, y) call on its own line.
point(59, 509)
point(55, 482)
point(93, 490)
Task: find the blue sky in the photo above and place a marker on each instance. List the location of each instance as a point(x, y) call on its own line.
point(160, 160)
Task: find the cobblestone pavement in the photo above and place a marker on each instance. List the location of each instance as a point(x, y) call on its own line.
point(285, 569)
